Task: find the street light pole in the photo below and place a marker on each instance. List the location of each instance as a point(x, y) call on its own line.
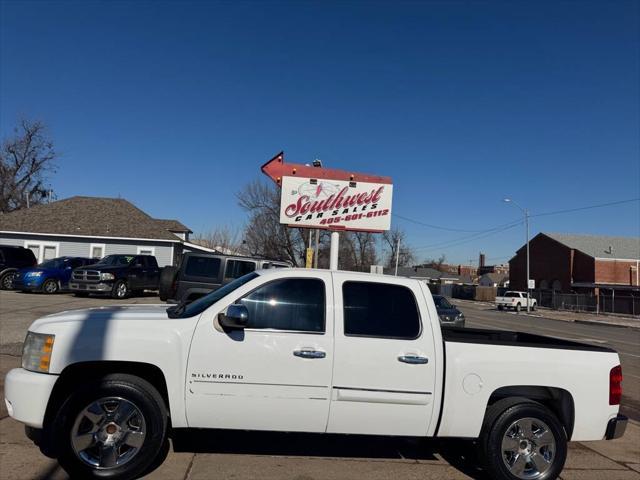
point(526, 223)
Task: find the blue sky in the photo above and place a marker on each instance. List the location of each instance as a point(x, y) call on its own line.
point(175, 105)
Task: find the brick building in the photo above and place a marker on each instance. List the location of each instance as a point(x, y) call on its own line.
point(578, 263)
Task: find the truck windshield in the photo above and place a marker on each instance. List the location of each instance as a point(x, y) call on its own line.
point(116, 260)
point(184, 310)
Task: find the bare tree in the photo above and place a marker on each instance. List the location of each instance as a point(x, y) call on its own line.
point(25, 160)
point(407, 255)
point(264, 235)
point(437, 264)
point(357, 251)
point(224, 239)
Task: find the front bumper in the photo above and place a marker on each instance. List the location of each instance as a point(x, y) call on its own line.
point(26, 395)
point(616, 427)
point(102, 287)
point(27, 284)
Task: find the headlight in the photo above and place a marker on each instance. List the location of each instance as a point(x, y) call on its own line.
point(460, 316)
point(35, 274)
point(36, 352)
point(107, 276)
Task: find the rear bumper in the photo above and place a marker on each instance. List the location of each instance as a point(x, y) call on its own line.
point(102, 287)
point(616, 427)
point(27, 395)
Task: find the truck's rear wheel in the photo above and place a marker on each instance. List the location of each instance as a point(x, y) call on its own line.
point(113, 428)
point(517, 309)
point(524, 442)
point(500, 307)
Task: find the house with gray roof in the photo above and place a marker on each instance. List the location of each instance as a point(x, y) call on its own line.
point(95, 227)
point(579, 263)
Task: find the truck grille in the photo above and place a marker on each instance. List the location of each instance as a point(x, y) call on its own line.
point(86, 275)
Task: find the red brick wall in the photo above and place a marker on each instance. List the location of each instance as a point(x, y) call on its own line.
point(549, 260)
point(615, 271)
point(583, 267)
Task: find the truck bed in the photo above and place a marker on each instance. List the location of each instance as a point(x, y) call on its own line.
point(515, 339)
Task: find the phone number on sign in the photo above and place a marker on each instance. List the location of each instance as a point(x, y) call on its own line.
point(354, 216)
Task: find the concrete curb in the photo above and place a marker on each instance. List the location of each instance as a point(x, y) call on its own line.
point(597, 322)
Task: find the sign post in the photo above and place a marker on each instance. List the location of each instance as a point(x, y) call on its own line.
point(331, 199)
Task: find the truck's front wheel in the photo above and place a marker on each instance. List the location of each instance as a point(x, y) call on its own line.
point(120, 290)
point(113, 428)
point(524, 442)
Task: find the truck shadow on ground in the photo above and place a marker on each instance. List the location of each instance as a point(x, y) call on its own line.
point(460, 454)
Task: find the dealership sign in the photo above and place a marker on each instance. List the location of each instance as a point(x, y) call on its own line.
point(316, 197)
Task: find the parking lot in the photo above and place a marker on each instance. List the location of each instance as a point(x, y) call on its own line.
point(219, 454)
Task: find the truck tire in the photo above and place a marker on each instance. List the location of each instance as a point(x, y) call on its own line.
point(522, 439)
point(113, 428)
point(50, 286)
point(500, 307)
point(167, 278)
point(517, 308)
point(120, 290)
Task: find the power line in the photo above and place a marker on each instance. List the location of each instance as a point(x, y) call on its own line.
point(480, 234)
point(569, 210)
point(469, 238)
point(437, 227)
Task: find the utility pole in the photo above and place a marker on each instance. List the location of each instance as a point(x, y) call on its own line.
point(397, 255)
point(315, 257)
point(526, 223)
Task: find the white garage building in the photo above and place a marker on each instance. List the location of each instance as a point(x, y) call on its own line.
point(95, 227)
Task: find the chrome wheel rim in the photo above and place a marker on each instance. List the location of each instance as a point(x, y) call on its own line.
point(121, 289)
point(528, 448)
point(50, 287)
point(108, 433)
point(7, 281)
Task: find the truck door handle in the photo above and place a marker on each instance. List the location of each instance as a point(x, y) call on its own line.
point(413, 359)
point(309, 353)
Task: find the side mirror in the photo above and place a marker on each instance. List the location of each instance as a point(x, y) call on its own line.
point(236, 317)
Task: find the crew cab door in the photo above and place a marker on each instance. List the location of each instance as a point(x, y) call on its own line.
point(276, 373)
point(384, 360)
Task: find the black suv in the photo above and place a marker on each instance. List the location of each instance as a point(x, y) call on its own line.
point(12, 259)
point(201, 273)
point(117, 275)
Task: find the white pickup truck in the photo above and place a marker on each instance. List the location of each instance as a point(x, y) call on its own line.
point(305, 351)
point(515, 300)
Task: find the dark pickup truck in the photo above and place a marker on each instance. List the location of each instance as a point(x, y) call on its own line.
point(117, 275)
point(201, 273)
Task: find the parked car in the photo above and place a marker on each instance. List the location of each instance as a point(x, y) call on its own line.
point(515, 300)
point(117, 275)
point(302, 350)
point(11, 260)
point(449, 314)
point(201, 273)
point(50, 276)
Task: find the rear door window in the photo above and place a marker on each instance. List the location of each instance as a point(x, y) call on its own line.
point(380, 310)
point(204, 267)
point(238, 268)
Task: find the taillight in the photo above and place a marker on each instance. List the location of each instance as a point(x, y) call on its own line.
point(615, 385)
